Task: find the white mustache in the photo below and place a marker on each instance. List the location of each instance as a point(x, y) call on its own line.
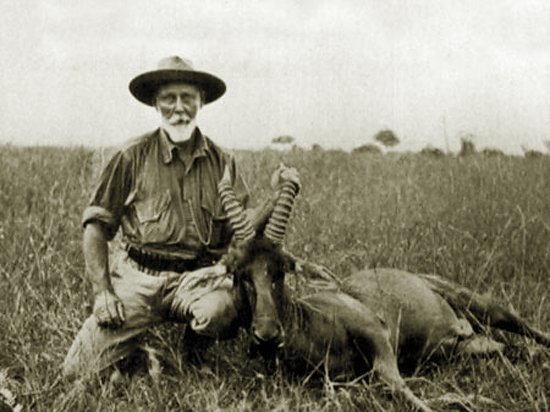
point(180, 117)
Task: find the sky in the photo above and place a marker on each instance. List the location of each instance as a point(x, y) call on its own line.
point(327, 72)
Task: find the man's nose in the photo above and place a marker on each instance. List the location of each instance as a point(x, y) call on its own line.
point(179, 105)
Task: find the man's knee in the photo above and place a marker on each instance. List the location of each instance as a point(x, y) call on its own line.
point(215, 315)
point(78, 357)
point(95, 349)
point(69, 368)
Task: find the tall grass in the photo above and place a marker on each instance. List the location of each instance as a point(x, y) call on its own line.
point(484, 222)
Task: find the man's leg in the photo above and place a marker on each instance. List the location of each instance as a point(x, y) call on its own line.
point(209, 311)
point(214, 314)
point(96, 348)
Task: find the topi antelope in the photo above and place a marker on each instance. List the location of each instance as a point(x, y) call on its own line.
point(332, 325)
point(363, 325)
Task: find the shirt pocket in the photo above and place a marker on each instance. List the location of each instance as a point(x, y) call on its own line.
point(151, 208)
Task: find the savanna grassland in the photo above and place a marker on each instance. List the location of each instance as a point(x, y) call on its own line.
point(481, 221)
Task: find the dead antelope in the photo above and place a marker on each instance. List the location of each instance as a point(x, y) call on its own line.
point(375, 314)
point(329, 327)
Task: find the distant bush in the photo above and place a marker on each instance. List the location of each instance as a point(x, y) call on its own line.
point(490, 152)
point(368, 148)
point(533, 154)
point(432, 151)
point(316, 147)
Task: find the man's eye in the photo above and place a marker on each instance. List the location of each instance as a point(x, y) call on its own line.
point(169, 99)
point(187, 98)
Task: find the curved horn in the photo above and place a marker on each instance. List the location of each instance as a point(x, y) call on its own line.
point(278, 222)
point(238, 219)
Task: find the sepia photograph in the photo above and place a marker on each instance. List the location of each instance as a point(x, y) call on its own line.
point(318, 205)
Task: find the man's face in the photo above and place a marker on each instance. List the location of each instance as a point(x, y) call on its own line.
point(178, 103)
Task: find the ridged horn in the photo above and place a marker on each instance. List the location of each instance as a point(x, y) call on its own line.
point(238, 219)
point(276, 226)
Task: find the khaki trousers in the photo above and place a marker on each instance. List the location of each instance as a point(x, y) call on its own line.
point(150, 299)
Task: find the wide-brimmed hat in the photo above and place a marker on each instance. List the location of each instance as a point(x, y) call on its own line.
point(175, 69)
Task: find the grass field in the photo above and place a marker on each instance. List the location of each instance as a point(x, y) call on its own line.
point(484, 222)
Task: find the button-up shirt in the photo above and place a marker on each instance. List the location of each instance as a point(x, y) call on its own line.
point(165, 198)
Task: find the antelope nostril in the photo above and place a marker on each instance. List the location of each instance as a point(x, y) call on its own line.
point(272, 337)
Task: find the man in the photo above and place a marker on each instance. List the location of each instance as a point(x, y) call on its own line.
point(161, 190)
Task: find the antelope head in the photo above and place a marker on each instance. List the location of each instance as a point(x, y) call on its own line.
point(258, 263)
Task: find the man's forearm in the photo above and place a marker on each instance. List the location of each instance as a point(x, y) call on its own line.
point(96, 255)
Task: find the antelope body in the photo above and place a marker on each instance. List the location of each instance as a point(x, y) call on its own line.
point(428, 315)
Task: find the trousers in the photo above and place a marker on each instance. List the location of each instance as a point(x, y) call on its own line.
point(205, 303)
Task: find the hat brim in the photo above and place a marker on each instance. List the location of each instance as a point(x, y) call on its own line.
point(144, 87)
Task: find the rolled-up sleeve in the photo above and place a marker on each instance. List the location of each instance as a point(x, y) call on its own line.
point(106, 205)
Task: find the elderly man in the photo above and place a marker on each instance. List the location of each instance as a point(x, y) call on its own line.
point(161, 190)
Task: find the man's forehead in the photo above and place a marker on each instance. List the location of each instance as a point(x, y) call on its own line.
point(179, 87)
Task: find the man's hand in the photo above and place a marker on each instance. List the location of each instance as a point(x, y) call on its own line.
point(108, 310)
point(283, 174)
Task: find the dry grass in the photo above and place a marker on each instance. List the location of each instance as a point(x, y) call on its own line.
point(484, 222)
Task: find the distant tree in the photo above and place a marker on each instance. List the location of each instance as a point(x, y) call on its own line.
point(283, 140)
point(387, 138)
point(432, 151)
point(530, 153)
point(316, 147)
point(467, 146)
point(368, 148)
point(491, 152)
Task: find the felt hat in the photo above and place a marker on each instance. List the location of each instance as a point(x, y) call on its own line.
point(175, 69)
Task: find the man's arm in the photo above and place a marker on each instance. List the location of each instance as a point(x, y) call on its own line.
point(101, 220)
point(96, 250)
point(108, 308)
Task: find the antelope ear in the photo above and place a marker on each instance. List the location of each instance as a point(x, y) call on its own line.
point(308, 269)
point(290, 264)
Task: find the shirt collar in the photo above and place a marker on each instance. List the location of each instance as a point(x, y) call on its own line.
point(199, 146)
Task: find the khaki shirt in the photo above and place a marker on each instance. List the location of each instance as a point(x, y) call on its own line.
point(166, 199)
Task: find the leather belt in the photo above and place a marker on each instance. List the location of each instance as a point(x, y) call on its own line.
point(159, 263)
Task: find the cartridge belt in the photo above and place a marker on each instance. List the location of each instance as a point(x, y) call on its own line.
point(159, 263)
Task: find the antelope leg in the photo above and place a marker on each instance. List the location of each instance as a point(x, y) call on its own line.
point(483, 310)
point(372, 339)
